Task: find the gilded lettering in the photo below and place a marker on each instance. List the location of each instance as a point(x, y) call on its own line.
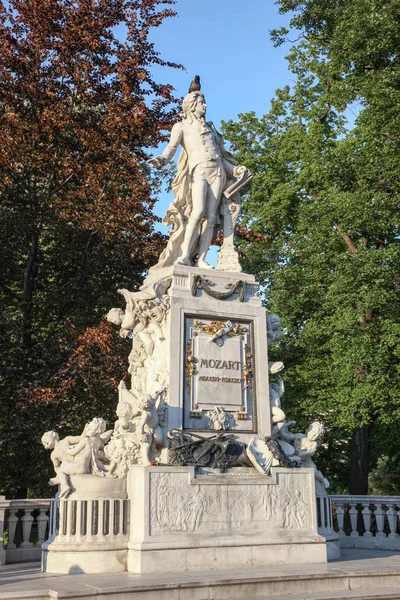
point(224, 365)
point(212, 366)
point(204, 363)
point(217, 364)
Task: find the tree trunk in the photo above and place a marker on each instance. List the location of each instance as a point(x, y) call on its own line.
point(359, 461)
point(30, 273)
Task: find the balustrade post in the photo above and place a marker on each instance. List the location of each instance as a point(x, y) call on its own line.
point(353, 520)
point(27, 521)
point(12, 525)
point(380, 519)
point(392, 518)
point(42, 520)
point(366, 513)
point(340, 517)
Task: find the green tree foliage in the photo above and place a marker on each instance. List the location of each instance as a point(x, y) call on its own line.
point(326, 160)
point(77, 108)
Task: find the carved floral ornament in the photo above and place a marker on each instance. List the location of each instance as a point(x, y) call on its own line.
point(190, 363)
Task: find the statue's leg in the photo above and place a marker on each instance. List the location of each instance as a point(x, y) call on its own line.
point(199, 195)
point(65, 487)
point(216, 180)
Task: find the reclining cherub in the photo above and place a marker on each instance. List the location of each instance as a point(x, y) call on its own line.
point(77, 455)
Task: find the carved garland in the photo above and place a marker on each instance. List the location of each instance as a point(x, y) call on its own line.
point(205, 284)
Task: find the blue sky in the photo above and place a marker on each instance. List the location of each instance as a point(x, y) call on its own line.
point(227, 43)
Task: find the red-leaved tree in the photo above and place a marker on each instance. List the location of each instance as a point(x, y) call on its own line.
point(78, 108)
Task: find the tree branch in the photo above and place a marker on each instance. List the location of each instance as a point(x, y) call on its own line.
point(346, 238)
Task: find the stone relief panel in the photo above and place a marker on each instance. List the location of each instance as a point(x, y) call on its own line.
point(177, 507)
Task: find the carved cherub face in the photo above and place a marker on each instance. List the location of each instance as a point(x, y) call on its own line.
point(95, 427)
point(49, 439)
point(156, 312)
point(115, 315)
point(124, 410)
point(274, 325)
point(147, 403)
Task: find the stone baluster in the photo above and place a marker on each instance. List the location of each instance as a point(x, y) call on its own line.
point(340, 516)
point(89, 521)
point(392, 518)
point(366, 513)
point(27, 521)
point(380, 519)
point(111, 518)
point(353, 519)
point(64, 519)
point(78, 524)
point(330, 513)
point(42, 520)
point(100, 531)
point(12, 525)
point(55, 516)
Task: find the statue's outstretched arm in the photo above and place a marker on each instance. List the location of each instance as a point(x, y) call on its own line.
point(169, 152)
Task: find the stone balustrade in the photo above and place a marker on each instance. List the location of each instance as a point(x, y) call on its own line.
point(24, 526)
point(367, 521)
point(360, 521)
point(89, 522)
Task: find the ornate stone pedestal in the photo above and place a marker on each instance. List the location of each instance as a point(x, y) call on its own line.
point(89, 530)
point(191, 519)
point(230, 371)
point(185, 520)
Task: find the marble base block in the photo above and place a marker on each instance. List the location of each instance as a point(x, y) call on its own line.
point(188, 520)
point(88, 530)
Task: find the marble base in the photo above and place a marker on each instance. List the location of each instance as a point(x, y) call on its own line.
point(183, 520)
point(89, 530)
point(102, 561)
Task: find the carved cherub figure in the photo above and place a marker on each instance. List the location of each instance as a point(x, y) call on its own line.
point(149, 427)
point(77, 455)
point(124, 413)
point(276, 391)
point(90, 448)
point(63, 464)
point(305, 446)
point(274, 328)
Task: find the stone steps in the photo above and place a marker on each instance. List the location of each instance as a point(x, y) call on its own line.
point(378, 594)
point(369, 576)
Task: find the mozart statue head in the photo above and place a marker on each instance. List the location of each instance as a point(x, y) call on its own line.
point(194, 104)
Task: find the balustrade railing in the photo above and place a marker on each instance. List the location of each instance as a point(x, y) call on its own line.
point(23, 529)
point(360, 521)
point(367, 521)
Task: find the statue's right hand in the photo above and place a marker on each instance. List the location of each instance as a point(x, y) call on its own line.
point(157, 162)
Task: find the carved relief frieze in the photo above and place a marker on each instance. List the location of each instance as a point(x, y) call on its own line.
point(177, 506)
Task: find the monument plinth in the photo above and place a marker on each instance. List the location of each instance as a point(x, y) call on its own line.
point(209, 368)
point(215, 478)
point(192, 519)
